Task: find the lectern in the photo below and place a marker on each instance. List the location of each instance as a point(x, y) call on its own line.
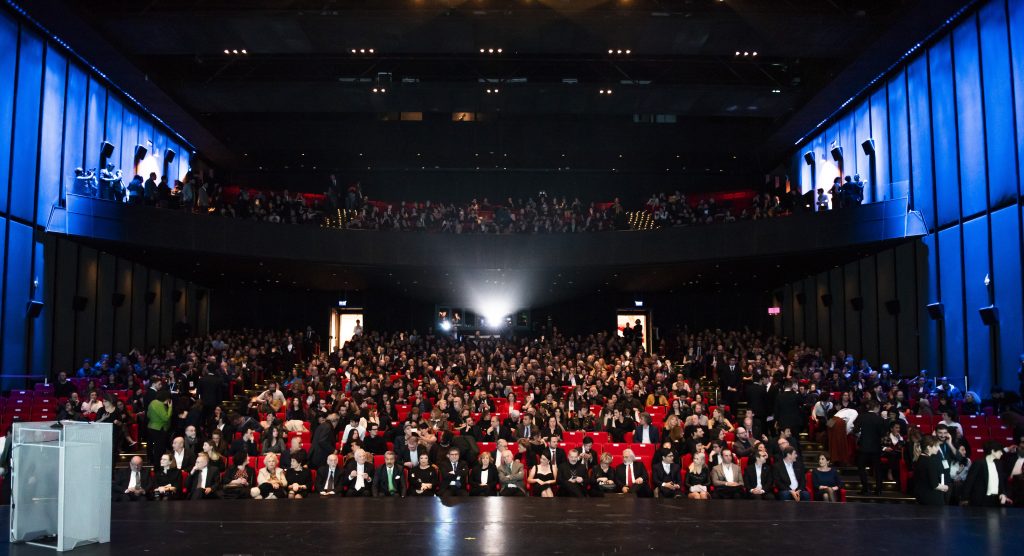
point(60, 483)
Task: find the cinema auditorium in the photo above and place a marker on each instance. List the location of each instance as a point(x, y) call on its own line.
point(340, 276)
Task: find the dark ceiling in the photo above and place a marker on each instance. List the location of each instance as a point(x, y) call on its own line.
point(301, 91)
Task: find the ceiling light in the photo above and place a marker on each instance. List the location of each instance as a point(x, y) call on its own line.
point(776, 91)
point(244, 51)
point(754, 53)
point(226, 51)
point(371, 51)
point(234, 51)
point(629, 51)
point(499, 51)
point(482, 51)
point(610, 51)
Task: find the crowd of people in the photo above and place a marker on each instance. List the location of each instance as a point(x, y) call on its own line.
point(529, 416)
point(348, 208)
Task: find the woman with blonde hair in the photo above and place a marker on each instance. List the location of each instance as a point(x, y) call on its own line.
point(698, 477)
point(271, 482)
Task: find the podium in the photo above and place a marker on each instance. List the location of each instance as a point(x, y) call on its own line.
point(60, 483)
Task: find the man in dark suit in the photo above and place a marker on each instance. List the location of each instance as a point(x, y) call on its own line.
point(787, 409)
point(526, 428)
point(872, 428)
point(373, 442)
point(588, 455)
point(757, 398)
point(758, 478)
point(729, 382)
point(210, 389)
point(495, 431)
point(359, 475)
point(202, 481)
point(453, 475)
point(329, 478)
point(986, 479)
point(665, 476)
point(790, 477)
point(631, 476)
point(1013, 466)
point(572, 476)
point(132, 484)
point(324, 439)
point(483, 478)
point(555, 454)
point(390, 478)
point(645, 433)
point(408, 453)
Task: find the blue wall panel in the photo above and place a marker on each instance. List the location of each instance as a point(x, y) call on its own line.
point(885, 277)
point(74, 125)
point(50, 141)
point(927, 293)
point(947, 193)
point(16, 292)
point(862, 131)
point(976, 267)
point(8, 62)
point(26, 127)
point(999, 136)
point(94, 121)
point(1017, 62)
point(113, 131)
point(920, 140)
point(129, 138)
point(1006, 267)
point(847, 138)
point(951, 287)
point(970, 120)
point(869, 292)
point(44, 255)
point(880, 185)
point(851, 289)
point(899, 142)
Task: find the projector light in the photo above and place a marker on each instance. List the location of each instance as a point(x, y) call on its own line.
point(445, 325)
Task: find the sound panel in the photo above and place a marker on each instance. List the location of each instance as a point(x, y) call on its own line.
point(8, 63)
point(976, 267)
point(951, 287)
point(85, 319)
point(851, 287)
point(921, 141)
point(40, 346)
point(1016, 11)
point(26, 127)
point(1006, 266)
point(129, 137)
point(96, 115)
point(16, 296)
point(123, 312)
point(1000, 142)
point(970, 118)
point(881, 187)
point(899, 141)
point(947, 190)
point(885, 276)
point(906, 321)
point(51, 139)
point(927, 293)
point(862, 131)
point(837, 310)
point(64, 317)
point(104, 340)
point(822, 313)
point(74, 125)
point(869, 316)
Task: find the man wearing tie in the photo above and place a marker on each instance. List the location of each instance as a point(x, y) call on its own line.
point(631, 476)
point(131, 484)
point(390, 479)
point(201, 480)
point(359, 475)
point(327, 477)
point(453, 475)
point(645, 433)
point(555, 454)
point(729, 382)
point(526, 429)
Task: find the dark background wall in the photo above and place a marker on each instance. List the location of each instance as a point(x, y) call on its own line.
point(54, 113)
point(947, 126)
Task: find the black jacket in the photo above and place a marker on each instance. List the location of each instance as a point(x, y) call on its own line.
point(976, 485)
point(872, 428)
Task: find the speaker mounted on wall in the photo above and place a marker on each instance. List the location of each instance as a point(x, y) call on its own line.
point(809, 158)
point(106, 150)
point(857, 303)
point(936, 311)
point(140, 152)
point(826, 300)
point(117, 299)
point(79, 303)
point(837, 154)
point(150, 298)
point(169, 156)
point(989, 315)
point(893, 306)
point(869, 147)
point(34, 309)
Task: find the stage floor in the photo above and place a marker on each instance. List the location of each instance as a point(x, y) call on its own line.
point(549, 526)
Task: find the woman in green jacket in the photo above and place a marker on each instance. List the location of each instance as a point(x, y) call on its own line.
point(158, 418)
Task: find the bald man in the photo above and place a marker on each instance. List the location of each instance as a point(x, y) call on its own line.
point(132, 484)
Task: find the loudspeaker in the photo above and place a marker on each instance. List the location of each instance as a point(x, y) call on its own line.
point(34, 308)
point(150, 298)
point(857, 303)
point(140, 152)
point(869, 146)
point(989, 315)
point(826, 300)
point(837, 153)
point(106, 149)
point(800, 298)
point(893, 306)
point(117, 299)
point(936, 311)
point(79, 303)
point(168, 156)
point(809, 158)
point(178, 294)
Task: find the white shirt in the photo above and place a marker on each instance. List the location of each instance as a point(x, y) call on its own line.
point(330, 477)
point(131, 482)
point(993, 477)
point(1018, 466)
point(359, 476)
point(850, 415)
point(757, 473)
point(202, 478)
point(178, 458)
point(646, 436)
point(483, 475)
point(727, 472)
point(793, 485)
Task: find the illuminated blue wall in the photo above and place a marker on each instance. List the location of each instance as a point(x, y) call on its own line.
point(54, 112)
point(948, 126)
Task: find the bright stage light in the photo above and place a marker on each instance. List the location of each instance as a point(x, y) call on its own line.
point(445, 325)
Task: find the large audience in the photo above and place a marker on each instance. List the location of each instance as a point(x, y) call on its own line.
point(411, 414)
point(348, 208)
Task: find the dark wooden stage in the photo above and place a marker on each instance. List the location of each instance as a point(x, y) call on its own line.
point(537, 527)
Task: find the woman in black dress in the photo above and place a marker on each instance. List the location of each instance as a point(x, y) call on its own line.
point(931, 481)
point(166, 479)
point(423, 478)
point(698, 479)
point(300, 480)
point(238, 479)
point(543, 476)
point(602, 478)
